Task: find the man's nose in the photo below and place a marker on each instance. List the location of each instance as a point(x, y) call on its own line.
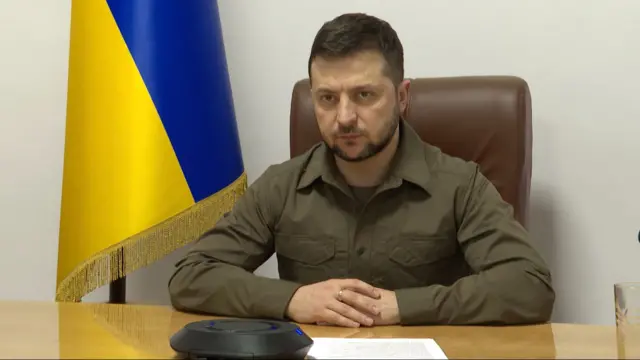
point(346, 112)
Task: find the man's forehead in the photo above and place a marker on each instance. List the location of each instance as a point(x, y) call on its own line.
point(360, 70)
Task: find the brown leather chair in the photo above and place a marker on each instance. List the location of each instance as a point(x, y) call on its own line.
point(485, 119)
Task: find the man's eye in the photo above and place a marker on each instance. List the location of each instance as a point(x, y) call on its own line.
point(365, 94)
point(327, 98)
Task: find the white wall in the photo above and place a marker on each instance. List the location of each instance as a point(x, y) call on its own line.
point(580, 58)
point(34, 39)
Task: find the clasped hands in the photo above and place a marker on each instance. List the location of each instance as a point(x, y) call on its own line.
point(343, 302)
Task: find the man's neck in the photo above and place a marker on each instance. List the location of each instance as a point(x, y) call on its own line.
point(370, 172)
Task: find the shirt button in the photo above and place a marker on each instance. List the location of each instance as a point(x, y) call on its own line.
point(360, 251)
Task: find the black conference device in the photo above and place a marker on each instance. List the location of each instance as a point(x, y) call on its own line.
point(241, 339)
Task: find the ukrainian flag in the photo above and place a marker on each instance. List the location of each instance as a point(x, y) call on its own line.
point(152, 155)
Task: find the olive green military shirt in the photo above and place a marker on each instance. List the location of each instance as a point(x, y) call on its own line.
point(436, 232)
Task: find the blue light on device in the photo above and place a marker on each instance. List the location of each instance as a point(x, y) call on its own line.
point(298, 331)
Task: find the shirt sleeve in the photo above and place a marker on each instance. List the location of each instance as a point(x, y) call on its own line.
point(216, 275)
point(510, 284)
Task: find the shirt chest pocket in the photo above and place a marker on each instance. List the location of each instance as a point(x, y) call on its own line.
point(419, 260)
point(305, 259)
point(412, 251)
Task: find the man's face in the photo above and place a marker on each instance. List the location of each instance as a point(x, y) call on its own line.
point(356, 104)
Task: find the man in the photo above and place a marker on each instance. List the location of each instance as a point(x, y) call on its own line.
point(372, 226)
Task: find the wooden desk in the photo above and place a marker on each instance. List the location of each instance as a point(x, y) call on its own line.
point(90, 330)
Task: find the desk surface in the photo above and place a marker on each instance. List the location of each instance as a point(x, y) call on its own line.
point(94, 330)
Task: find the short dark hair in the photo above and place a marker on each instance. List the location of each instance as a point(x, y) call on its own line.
point(353, 32)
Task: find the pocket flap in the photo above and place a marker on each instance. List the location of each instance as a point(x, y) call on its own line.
point(305, 249)
point(421, 251)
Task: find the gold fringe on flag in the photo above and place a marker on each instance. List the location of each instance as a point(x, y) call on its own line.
point(151, 245)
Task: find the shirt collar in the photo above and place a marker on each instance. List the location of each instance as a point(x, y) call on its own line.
point(409, 163)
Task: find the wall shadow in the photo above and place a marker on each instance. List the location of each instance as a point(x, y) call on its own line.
point(544, 236)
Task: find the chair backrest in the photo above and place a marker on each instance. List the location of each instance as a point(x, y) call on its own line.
point(485, 119)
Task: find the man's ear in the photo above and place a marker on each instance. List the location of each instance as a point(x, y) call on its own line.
point(403, 94)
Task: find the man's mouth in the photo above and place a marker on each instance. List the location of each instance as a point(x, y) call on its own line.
point(349, 136)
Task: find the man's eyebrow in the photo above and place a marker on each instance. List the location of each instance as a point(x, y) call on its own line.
point(359, 87)
point(322, 89)
point(365, 86)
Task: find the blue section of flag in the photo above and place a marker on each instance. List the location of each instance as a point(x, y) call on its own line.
point(179, 51)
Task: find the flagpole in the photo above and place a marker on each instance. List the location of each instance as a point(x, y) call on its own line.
point(118, 288)
point(118, 291)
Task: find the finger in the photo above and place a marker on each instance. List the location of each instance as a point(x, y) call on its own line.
point(360, 302)
point(335, 318)
point(361, 287)
point(350, 313)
